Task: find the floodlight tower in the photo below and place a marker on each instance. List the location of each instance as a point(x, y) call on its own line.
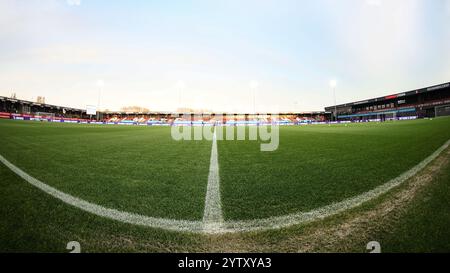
point(253, 86)
point(296, 107)
point(333, 84)
point(180, 87)
point(100, 85)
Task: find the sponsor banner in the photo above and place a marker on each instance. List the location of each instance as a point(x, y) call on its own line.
point(407, 118)
point(150, 122)
point(162, 124)
point(391, 97)
point(5, 115)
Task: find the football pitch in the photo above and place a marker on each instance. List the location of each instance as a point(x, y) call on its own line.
point(142, 171)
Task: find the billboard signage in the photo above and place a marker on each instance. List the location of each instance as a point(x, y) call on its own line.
point(91, 110)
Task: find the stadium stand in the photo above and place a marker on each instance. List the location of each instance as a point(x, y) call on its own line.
point(27, 110)
point(421, 103)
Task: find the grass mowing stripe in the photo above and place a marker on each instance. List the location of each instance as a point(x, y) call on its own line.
point(315, 166)
point(230, 226)
point(136, 169)
point(326, 211)
point(131, 218)
point(423, 227)
point(212, 217)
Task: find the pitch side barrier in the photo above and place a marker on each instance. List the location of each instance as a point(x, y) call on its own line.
point(189, 123)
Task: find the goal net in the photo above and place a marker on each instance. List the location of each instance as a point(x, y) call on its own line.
point(442, 110)
point(44, 115)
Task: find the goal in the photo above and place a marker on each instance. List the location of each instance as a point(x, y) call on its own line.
point(442, 110)
point(44, 115)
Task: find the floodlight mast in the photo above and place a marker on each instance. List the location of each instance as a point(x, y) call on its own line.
point(100, 85)
point(180, 87)
point(253, 86)
point(333, 84)
point(254, 102)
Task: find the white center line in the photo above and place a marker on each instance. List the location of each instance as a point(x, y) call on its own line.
point(212, 216)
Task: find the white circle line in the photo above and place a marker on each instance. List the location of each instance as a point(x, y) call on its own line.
point(228, 226)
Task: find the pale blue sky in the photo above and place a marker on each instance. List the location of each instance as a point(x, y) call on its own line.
point(143, 51)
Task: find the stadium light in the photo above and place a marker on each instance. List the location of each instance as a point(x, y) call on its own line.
point(180, 86)
point(333, 85)
point(100, 84)
point(253, 86)
point(296, 107)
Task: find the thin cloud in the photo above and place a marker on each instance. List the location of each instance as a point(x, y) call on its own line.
point(74, 2)
point(292, 48)
point(375, 3)
point(66, 54)
point(384, 37)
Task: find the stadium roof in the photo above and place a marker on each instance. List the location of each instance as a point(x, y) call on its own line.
point(41, 104)
point(51, 106)
point(394, 96)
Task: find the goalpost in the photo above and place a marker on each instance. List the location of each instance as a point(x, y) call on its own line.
point(44, 115)
point(441, 111)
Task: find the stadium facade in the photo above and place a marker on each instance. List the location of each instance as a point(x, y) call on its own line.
point(427, 102)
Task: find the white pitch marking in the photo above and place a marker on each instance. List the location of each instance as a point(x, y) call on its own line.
point(229, 226)
point(277, 222)
point(126, 217)
point(212, 216)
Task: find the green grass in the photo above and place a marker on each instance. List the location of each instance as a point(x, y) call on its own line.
point(32, 221)
point(317, 165)
point(141, 169)
point(425, 226)
point(129, 168)
point(35, 222)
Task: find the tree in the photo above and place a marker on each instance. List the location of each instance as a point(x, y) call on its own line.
point(40, 99)
point(135, 109)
